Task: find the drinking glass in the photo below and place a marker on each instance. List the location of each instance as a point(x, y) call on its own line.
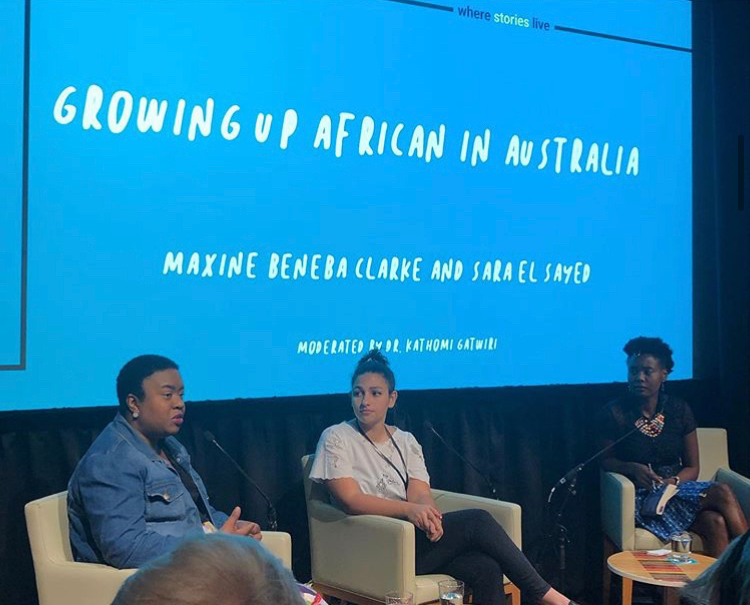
point(451, 592)
point(399, 597)
point(682, 543)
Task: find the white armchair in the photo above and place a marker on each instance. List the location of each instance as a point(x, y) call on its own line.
point(61, 580)
point(359, 558)
point(618, 500)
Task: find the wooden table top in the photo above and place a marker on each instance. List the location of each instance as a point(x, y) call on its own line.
point(642, 567)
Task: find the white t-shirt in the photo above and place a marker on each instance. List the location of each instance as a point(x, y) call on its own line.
point(344, 452)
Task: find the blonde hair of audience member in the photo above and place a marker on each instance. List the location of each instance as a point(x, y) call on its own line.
point(726, 582)
point(215, 568)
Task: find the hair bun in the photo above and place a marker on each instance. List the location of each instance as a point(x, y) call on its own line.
point(373, 355)
point(375, 361)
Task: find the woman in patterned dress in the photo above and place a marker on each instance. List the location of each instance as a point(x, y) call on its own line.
point(664, 449)
point(372, 468)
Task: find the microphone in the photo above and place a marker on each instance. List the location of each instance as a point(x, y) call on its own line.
point(271, 516)
point(572, 475)
point(429, 427)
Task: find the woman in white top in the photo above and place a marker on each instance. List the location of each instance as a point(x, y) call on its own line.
point(370, 468)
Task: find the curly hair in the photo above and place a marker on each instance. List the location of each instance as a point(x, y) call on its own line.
point(644, 345)
point(374, 361)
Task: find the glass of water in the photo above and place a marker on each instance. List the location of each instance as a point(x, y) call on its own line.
point(682, 544)
point(451, 592)
point(399, 597)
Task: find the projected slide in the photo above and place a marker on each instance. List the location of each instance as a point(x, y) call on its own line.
point(495, 194)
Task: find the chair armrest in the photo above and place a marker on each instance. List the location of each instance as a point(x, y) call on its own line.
point(618, 509)
point(364, 554)
point(740, 486)
point(279, 543)
point(61, 583)
point(507, 514)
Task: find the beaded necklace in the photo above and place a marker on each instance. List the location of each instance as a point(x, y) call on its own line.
point(652, 427)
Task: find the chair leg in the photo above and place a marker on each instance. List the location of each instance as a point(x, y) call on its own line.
point(609, 550)
point(512, 594)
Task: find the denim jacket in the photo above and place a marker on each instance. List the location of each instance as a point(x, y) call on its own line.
point(126, 505)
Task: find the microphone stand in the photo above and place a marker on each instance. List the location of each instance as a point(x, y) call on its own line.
point(490, 486)
point(271, 516)
point(559, 531)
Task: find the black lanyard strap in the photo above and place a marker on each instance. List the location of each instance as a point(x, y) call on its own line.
point(403, 476)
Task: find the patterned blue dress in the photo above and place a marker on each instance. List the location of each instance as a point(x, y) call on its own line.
point(660, 444)
point(679, 513)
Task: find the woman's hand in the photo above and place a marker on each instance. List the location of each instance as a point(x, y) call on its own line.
point(427, 518)
point(236, 526)
point(253, 528)
point(643, 476)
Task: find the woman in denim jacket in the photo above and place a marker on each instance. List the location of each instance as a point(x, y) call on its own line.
point(134, 495)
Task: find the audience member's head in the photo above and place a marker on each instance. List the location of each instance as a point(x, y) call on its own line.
point(726, 582)
point(215, 568)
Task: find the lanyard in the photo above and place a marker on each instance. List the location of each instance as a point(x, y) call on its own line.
point(405, 476)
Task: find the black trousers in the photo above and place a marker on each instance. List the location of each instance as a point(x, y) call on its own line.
point(476, 550)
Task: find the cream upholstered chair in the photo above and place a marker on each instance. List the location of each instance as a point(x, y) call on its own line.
point(359, 558)
point(62, 581)
point(618, 500)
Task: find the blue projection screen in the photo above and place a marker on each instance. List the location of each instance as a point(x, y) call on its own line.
point(497, 194)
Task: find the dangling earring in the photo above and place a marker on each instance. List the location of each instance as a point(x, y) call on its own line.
point(663, 387)
point(135, 415)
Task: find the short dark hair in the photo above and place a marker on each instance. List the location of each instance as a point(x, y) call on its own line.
point(644, 345)
point(131, 376)
point(374, 361)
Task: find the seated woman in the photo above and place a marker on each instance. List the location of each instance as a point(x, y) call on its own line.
point(134, 495)
point(726, 582)
point(664, 449)
point(372, 468)
point(212, 569)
